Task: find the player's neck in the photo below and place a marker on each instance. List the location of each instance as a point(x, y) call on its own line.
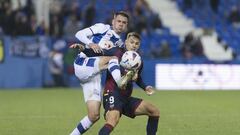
point(118, 33)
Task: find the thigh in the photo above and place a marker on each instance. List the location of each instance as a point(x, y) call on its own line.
point(112, 117)
point(92, 89)
point(103, 61)
point(86, 68)
point(112, 101)
point(131, 106)
point(146, 108)
point(93, 107)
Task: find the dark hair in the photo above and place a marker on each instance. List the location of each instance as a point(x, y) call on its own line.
point(135, 34)
point(122, 13)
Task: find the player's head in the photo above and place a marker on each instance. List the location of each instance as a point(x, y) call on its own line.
point(133, 41)
point(120, 22)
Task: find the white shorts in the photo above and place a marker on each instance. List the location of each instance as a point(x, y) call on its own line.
point(92, 89)
point(87, 71)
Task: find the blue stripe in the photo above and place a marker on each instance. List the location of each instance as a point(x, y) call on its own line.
point(113, 62)
point(114, 67)
point(98, 37)
point(90, 62)
point(79, 61)
point(80, 128)
point(114, 39)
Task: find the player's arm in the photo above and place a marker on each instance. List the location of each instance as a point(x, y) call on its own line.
point(109, 52)
point(85, 34)
point(91, 53)
point(79, 46)
point(139, 81)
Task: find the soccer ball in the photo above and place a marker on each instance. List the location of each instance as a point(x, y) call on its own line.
point(131, 60)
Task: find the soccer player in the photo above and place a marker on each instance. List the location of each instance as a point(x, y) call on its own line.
point(118, 101)
point(98, 37)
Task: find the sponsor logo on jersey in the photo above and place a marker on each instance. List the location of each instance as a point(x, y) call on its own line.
point(119, 43)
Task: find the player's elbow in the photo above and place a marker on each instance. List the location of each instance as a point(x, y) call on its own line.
point(78, 34)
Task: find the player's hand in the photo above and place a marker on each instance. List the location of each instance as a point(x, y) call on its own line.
point(80, 46)
point(96, 48)
point(149, 90)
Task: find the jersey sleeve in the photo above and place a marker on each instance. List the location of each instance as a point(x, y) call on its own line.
point(140, 81)
point(110, 52)
point(85, 35)
point(90, 53)
point(99, 28)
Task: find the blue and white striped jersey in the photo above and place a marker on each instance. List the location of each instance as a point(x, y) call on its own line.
point(101, 34)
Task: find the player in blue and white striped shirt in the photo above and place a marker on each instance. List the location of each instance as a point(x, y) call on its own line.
point(98, 37)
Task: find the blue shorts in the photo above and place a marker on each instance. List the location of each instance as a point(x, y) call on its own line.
point(126, 105)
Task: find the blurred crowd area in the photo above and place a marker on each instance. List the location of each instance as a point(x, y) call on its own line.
point(41, 46)
point(222, 16)
point(66, 17)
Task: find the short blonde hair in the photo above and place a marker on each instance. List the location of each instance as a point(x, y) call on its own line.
point(135, 34)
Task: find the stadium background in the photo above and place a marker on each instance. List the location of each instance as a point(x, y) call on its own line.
point(186, 45)
point(172, 32)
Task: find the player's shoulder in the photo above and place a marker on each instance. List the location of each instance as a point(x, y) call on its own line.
point(101, 26)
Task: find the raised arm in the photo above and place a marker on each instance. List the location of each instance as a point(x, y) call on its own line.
point(139, 81)
point(86, 34)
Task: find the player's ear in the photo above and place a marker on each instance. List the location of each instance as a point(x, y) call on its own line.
point(114, 17)
point(112, 21)
point(126, 41)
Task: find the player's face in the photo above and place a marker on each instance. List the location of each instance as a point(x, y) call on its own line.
point(132, 43)
point(119, 24)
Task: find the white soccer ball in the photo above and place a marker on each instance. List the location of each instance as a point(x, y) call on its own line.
point(131, 60)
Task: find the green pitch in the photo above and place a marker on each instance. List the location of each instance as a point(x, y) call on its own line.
point(57, 111)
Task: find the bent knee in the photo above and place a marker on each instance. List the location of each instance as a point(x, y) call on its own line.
point(112, 117)
point(94, 117)
point(155, 112)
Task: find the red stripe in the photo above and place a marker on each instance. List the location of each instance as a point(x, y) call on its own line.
point(110, 127)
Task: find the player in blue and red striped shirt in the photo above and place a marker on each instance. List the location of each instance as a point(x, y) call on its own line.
point(118, 101)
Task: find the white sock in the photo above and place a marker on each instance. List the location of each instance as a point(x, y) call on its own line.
point(114, 69)
point(75, 132)
point(82, 127)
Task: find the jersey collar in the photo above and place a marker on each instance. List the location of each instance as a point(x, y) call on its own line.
point(114, 33)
